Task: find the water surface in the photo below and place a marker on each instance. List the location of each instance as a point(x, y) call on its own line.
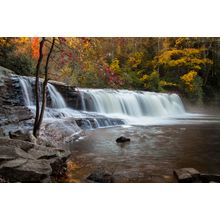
point(152, 154)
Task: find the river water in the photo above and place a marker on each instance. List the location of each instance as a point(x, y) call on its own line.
point(152, 154)
point(164, 136)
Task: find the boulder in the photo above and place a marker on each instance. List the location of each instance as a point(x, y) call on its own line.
point(22, 161)
point(25, 170)
point(100, 176)
point(55, 156)
point(122, 139)
point(24, 145)
point(24, 135)
point(2, 180)
point(187, 175)
point(207, 178)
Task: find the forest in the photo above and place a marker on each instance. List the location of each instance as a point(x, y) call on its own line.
point(187, 66)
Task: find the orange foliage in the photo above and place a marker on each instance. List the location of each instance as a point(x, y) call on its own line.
point(35, 47)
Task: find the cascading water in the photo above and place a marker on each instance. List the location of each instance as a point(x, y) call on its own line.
point(106, 107)
point(27, 90)
point(131, 103)
point(56, 97)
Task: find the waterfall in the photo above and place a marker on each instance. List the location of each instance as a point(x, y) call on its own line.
point(56, 97)
point(107, 107)
point(27, 90)
point(132, 103)
point(27, 84)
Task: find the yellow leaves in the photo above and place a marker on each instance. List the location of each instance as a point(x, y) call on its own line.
point(114, 66)
point(3, 41)
point(188, 79)
point(189, 58)
point(145, 77)
point(73, 42)
point(163, 83)
point(22, 40)
point(151, 81)
point(135, 59)
point(180, 41)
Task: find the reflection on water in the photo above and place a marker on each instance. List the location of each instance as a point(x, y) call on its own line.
point(152, 154)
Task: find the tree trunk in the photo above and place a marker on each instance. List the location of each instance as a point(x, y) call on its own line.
point(44, 95)
point(35, 130)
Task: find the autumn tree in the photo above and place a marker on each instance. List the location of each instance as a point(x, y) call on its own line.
point(40, 109)
point(183, 67)
point(15, 54)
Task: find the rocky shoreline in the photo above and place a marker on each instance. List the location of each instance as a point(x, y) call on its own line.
point(22, 157)
point(22, 161)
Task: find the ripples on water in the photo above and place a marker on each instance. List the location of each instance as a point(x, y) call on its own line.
point(153, 153)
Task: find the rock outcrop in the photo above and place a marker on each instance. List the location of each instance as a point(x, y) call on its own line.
point(13, 113)
point(191, 175)
point(22, 161)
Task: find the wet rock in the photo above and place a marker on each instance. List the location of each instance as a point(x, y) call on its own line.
point(60, 132)
point(56, 157)
point(23, 135)
point(13, 152)
point(100, 176)
point(21, 170)
point(206, 178)
point(22, 161)
point(187, 175)
point(122, 139)
point(2, 180)
point(24, 145)
point(2, 132)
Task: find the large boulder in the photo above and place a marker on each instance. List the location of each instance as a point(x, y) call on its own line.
point(208, 177)
point(22, 161)
point(25, 170)
point(55, 156)
point(187, 175)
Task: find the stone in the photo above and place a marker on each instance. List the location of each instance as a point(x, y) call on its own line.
point(100, 176)
point(23, 135)
point(2, 180)
point(12, 152)
point(122, 139)
point(206, 177)
point(59, 132)
point(22, 161)
point(55, 156)
point(24, 145)
point(2, 132)
point(25, 171)
point(187, 175)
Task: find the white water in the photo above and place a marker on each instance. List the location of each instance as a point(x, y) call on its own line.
point(132, 103)
point(56, 97)
point(132, 106)
point(27, 90)
point(27, 84)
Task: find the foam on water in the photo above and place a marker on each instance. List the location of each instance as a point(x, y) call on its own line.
point(134, 107)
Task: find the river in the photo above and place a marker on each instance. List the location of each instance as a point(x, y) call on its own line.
point(152, 154)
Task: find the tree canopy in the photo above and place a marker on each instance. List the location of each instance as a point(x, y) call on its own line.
point(189, 66)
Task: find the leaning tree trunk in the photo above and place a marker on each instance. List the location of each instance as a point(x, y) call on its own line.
point(35, 129)
point(44, 99)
